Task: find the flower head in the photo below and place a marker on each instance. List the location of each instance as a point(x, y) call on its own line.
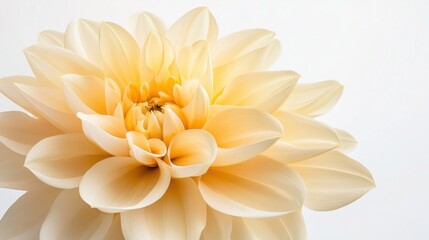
point(172, 127)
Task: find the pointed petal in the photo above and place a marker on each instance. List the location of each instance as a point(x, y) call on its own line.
point(9, 89)
point(108, 132)
point(303, 138)
point(62, 160)
point(197, 109)
point(179, 214)
point(235, 45)
point(172, 125)
point(71, 218)
point(218, 226)
point(287, 227)
point(145, 151)
point(242, 133)
point(13, 174)
point(141, 24)
point(23, 220)
point(260, 187)
point(112, 95)
point(120, 53)
point(333, 180)
point(188, 159)
point(198, 24)
point(107, 185)
point(50, 37)
point(158, 54)
point(84, 94)
point(263, 90)
point(19, 131)
point(348, 142)
point(82, 37)
point(313, 99)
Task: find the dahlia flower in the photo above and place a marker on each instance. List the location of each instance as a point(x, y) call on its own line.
point(168, 133)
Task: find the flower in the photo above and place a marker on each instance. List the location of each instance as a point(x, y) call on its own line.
point(181, 134)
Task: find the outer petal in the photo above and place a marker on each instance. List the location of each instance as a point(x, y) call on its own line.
point(115, 232)
point(348, 142)
point(13, 174)
point(333, 180)
point(50, 37)
point(303, 138)
point(188, 159)
point(242, 133)
point(218, 226)
point(24, 219)
point(288, 227)
point(141, 24)
point(260, 187)
point(264, 90)
point(198, 24)
point(20, 132)
point(313, 99)
point(9, 89)
point(179, 214)
point(118, 184)
point(108, 132)
point(61, 161)
point(71, 218)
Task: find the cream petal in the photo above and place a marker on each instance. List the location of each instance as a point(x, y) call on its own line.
point(112, 95)
point(172, 125)
point(288, 227)
point(256, 60)
point(82, 37)
point(179, 214)
point(235, 45)
point(333, 180)
point(260, 187)
point(141, 24)
point(303, 137)
point(263, 90)
point(19, 131)
point(198, 24)
point(158, 54)
point(115, 232)
point(62, 160)
point(218, 226)
point(242, 133)
point(13, 174)
point(108, 132)
point(145, 151)
point(50, 37)
point(188, 159)
point(313, 99)
point(50, 103)
point(348, 142)
point(84, 94)
point(25, 217)
point(71, 218)
point(49, 63)
point(121, 53)
point(107, 184)
point(197, 109)
point(9, 89)
point(154, 126)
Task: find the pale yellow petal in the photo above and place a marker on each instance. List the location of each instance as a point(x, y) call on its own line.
point(107, 185)
point(19, 131)
point(303, 137)
point(197, 109)
point(51, 37)
point(242, 133)
point(145, 151)
point(158, 55)
point(113, 95)
point(348, 142)
point(218, 226)
point(313, 99)
point(333, 180)
point(288, 227)
point(9, 89)
point(62, 160)
point(172, 125)
point(84, 94)
point(108, 132)
point(191, 153)
point(141, 24)
point(260, 187)
point(115, 232)
point(198, 24)
point(235, 45)
point(263, 90)
point(24, 218)
point(179, 214)
point(71, 218)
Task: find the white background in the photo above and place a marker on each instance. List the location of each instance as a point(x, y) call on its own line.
point(377, 49)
